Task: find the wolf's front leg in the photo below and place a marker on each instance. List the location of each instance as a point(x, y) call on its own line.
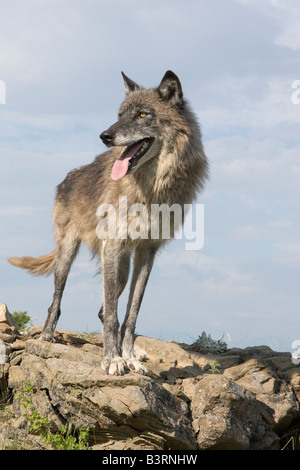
point(143, 262)
point(112, 362)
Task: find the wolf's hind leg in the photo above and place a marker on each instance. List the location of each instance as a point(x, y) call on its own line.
point(67, 251)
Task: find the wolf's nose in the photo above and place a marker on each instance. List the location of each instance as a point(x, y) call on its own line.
point(106, 137)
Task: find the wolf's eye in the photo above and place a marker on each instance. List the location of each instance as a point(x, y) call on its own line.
point(142, 115)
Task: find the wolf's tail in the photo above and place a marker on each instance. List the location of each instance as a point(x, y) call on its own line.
point(42, 266)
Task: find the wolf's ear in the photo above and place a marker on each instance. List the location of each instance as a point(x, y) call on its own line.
point(130, 85)
point(170, 88)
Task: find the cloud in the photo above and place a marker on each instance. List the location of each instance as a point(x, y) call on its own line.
point(241, 104)
point(291, 247)
point(233, 284)
point(245, 233)
point(207, 275)
point(17, 211)
point(268, 164)
point(30, 53)
point(287, 16)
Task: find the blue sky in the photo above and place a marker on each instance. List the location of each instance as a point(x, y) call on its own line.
point(237, 61)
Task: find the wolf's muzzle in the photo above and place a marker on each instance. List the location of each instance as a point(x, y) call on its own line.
point(107, 137)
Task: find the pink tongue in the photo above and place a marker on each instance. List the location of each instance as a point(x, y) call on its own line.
point(120, 167)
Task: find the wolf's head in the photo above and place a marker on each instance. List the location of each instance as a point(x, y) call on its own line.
point(146, 119)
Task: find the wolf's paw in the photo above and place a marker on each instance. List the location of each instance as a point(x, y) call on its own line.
point(114, 366)
point(140, 354)
point(135, 365)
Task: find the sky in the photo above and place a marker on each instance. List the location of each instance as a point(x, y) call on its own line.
point(238, 60)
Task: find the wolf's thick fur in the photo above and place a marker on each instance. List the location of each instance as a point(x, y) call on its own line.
point(172, 170)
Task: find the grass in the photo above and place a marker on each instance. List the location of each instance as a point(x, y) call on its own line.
point(64, 439)
point(291, 440)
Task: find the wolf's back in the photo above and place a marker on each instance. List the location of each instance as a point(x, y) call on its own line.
point(42, 266)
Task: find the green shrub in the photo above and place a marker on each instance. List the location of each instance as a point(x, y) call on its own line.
point(22, 319)
point(41, 426)
point(205, 341)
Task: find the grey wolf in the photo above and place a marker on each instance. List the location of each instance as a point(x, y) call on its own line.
point(155, 156)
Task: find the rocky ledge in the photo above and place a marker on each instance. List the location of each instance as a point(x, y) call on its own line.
point(241, 399)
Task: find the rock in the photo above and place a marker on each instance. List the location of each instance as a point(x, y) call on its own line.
point(293, 377)
point(4, 352)
point(283, 408)
point(8, 329)
point(168, 360)
point(226, 416)
point(3, 384)
point(254, 375)
point(241, 399)
point(5, 317)
point(112, 406)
